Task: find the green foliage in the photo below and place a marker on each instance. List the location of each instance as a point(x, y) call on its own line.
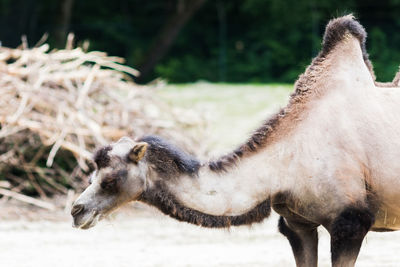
point(227, 40)
point(386, 60)
point(273, 41)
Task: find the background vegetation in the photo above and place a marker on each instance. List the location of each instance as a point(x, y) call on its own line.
point(215, 40)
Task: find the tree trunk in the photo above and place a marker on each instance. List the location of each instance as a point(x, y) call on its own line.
point(62, 22)
point(167, 35)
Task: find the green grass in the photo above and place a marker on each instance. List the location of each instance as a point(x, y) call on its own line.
point(231, 111)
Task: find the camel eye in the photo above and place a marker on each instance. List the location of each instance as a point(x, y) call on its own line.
point(108, 183)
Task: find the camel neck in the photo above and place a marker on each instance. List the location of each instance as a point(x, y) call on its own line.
point(235, 196)
point(163, 199)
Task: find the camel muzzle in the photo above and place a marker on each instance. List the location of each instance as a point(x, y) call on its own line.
point(76, 209)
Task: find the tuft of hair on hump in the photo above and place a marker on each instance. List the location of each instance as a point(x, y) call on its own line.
point(337, 29)
point(167, 159)
point(101, 157)
point(336, 32)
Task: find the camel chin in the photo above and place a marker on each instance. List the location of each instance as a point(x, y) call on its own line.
point(88, 220)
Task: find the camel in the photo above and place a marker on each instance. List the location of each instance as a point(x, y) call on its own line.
point(329, 158)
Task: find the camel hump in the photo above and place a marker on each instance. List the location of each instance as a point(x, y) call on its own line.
point(338, 29)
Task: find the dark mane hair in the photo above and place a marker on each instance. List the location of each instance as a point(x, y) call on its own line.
point(167, 159)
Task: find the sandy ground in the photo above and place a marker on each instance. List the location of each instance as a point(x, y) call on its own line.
point(142, 236)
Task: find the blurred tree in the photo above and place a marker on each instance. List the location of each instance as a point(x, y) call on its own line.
point(223, 40)
point(184, 10)
point(62, 21)
point(18, 17)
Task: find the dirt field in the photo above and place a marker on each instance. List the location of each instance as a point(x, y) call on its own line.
point(141, 236)
point(147, 238)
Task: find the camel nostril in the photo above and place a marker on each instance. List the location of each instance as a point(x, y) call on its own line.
point(76, 209)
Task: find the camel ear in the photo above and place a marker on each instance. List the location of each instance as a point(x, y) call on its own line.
point(137, 152)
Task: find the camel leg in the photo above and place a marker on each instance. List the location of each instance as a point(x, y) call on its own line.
point(347, 233)
point(303, 239)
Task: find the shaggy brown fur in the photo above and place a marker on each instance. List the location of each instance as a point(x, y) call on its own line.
point(160, 197)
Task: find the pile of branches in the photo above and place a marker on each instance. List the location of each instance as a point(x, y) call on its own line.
point(57, 106)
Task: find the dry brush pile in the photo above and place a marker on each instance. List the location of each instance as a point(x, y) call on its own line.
point(57, 106)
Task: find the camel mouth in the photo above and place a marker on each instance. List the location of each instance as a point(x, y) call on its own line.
point(93, 219)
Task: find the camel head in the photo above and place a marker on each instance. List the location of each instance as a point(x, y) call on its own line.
point(120, 177)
